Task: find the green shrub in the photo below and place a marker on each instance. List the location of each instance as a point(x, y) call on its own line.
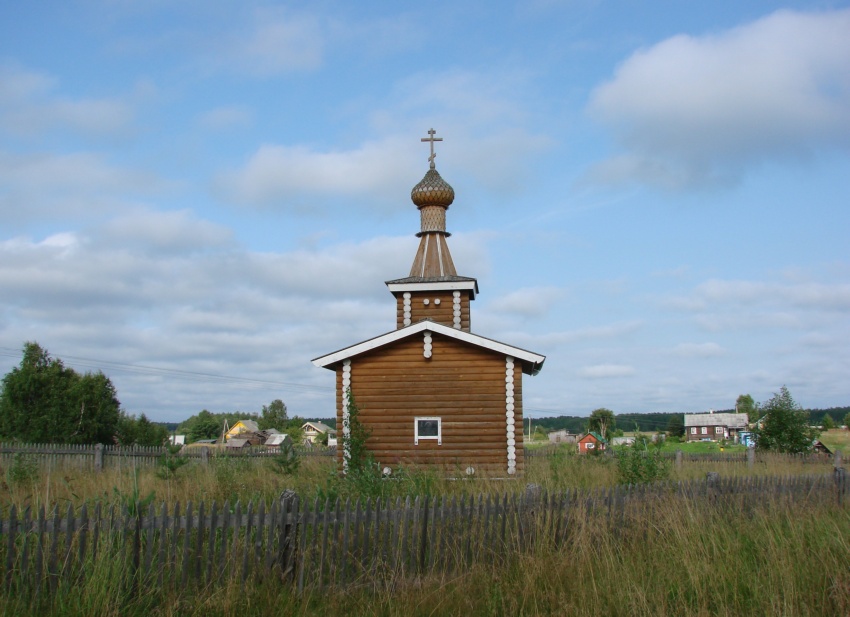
point(23, 471)
point(286, 461)
point(642, 464)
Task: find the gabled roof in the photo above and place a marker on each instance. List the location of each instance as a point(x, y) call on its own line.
point(320, 427)
point(729, 420)
point(531, 362)
point(596, 436)
point(249, 425)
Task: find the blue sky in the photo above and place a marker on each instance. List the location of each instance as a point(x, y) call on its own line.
point(200, 197)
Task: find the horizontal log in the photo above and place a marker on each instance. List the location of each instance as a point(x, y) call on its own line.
point(458, 422)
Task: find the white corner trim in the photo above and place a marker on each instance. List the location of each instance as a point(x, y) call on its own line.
point(346, 414)
point(510, 417)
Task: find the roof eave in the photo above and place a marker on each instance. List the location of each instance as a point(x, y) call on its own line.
point(532, 363)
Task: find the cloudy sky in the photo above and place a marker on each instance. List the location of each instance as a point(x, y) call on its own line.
point(199, 197)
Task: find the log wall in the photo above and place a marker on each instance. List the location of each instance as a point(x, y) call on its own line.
point(460, 383)
point(442, 313)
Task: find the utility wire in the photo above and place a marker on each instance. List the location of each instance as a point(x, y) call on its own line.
point(176, 373)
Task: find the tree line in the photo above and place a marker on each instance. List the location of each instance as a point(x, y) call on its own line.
point(43, 401)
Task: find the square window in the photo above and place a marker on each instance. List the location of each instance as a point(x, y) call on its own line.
point(704, 430)
point(693, 430)
point(718, 430)
point(428, 428)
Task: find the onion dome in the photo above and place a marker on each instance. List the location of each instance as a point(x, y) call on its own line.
point(432, 190)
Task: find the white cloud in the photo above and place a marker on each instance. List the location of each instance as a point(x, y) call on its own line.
point(273, 42)
point(528, 301)
point(698, 350)
point(167, 233)
point(28, 107)
point(693, 111)
point(292, 177)
point(606, 371)
point(466, 105)
point(719, 294)
point(226, 117)
point(63, 186)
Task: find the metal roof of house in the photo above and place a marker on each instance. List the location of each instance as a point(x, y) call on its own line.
point(730, 420)
point(276, 439)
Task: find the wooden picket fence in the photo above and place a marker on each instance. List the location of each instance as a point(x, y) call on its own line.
point(95, 457)
point(315, 545)
point(748, 457)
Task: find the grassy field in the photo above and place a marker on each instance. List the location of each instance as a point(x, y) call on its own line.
point(243, 479)
point(837, 439)
point(673, 557)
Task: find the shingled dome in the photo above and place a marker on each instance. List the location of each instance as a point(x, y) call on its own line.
point(432, 191)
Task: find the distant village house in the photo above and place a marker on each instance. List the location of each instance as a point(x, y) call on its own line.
point(592, 442)
point(715, 426)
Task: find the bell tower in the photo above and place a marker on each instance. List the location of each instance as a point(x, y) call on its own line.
point(433, 290)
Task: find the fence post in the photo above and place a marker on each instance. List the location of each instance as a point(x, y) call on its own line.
point(840, 477)
point(98, 457)
point(678, 459)
point(288, 531)
point(837, 459)
point(712, 483)
point(205, 456)
point(751, 457)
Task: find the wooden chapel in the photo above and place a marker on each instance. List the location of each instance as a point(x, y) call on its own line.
point(431, 392)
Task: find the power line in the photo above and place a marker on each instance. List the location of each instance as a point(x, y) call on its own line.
point(141, 369)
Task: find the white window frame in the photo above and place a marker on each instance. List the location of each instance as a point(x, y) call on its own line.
point(693, 430)
point(703, 430)
point(417, 436)
point(718, 430)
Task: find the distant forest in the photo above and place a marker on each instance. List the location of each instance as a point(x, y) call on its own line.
point(655, 422)
point(643, 422)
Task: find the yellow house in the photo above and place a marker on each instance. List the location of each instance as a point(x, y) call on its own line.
point(243, 426)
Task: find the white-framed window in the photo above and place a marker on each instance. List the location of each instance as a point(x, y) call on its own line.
point(693, 430)
point(590, 445)
point(718, 430)
point(428, 428)
point(704, 430)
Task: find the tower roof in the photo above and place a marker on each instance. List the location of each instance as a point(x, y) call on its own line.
point(432, 190)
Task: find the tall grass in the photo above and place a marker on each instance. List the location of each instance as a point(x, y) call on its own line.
point(251, 479)
point(669, 556)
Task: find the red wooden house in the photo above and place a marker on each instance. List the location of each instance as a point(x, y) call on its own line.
point(431, 391)
point(592, 442)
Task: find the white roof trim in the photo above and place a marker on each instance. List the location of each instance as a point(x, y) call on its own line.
point(435, 286)
point(536, 360)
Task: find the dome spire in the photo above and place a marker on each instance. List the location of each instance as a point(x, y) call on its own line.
point(432, 139)
point(432, 196)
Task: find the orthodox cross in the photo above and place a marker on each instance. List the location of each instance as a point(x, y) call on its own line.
point(432, 139)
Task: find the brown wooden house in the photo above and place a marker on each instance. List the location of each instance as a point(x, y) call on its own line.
point(431, 391)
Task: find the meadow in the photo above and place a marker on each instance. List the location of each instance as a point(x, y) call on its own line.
point(674, 557)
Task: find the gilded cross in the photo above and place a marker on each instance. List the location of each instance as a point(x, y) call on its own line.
point(432, 139)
